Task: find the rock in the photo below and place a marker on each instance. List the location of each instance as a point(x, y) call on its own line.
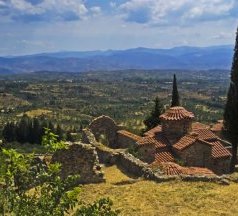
point(224, 182)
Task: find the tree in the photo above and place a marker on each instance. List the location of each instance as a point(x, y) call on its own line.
point(36, 131)
point(60, 132)
point(8, 132)
point(50, 141)
point(175, 94)
point(230, 117)
point(23, 129)
point(28, 188)
point(153, 119)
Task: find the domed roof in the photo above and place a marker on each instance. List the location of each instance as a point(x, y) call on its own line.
point(176, 113)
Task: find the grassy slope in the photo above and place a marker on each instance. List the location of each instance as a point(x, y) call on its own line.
point(172, 198)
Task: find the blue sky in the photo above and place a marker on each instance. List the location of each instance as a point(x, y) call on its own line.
point(32, 26)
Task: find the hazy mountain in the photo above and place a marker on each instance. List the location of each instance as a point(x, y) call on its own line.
point(216, 57)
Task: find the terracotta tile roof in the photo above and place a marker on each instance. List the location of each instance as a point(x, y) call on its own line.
point(217, 127)
point(163, 156)
point(205, 134)
point(176, 113)
point(153, 131)
point(184, 142)
point(158, 142)
point(198, 125)
point(197, 171)
point(219, 151)
point(189, 140)
point(170, 168)
point(129, 134)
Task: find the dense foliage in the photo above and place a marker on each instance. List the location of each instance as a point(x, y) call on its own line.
point(231, 108)
point(153, 119)
point(28, 130)
point(29, 187)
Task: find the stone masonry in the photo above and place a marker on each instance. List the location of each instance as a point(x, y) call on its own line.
point(79, 159)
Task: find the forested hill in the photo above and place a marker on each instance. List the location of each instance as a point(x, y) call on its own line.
point(216, 57)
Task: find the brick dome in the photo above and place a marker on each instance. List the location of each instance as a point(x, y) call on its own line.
point(176, 113)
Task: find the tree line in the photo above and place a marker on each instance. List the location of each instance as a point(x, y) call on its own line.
point(31, 130)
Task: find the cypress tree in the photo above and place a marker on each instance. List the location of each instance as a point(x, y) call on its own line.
point(36, 131)
point(175, 94)
point(8, 132)
point(153, 119)
point(231, 109)
point(22, 130)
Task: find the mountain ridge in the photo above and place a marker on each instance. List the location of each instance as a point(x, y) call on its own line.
point(184, 57)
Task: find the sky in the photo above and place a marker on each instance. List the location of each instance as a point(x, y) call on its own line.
point(35, 26)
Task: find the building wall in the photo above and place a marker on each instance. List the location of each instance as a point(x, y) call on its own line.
point(147, 153)
point(220, 166)
point(198, 154)
point(175, 129)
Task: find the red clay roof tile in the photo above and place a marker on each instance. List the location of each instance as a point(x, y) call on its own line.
point(219, 151)
point(184, 142)
point(217, 127)
point(170, 168)
point(153, 131)
point(164, 156)
point(205, 134)
point(197, 171)
point(159, 141)
point(129, 134)
point(176, 113)
point(198, 125)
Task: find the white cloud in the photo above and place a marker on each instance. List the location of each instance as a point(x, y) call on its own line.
point(177, 11)
point(46, 9)
point(2, 3)
point(96, 10)
point(112, 4)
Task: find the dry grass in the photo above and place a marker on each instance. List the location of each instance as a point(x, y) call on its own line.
point(172, 198)
point(38, 112)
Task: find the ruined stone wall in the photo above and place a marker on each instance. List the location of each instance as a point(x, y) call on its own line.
point(196, 155)
point(79, 159)
point(104, 125)
point(131, 164)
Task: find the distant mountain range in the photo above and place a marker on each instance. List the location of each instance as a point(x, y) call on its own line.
point(187, 58)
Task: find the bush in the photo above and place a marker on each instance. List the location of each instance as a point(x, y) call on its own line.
point(30, 188)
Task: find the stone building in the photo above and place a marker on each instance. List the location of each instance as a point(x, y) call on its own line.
point(178, 145)
point(179, 140)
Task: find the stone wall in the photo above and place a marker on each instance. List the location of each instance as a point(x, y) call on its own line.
point(147, 153)
point(220, 166)
point(196, 155)
point(106, 126)
point(79, 159)
point(176, 129)
point(132, 165)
